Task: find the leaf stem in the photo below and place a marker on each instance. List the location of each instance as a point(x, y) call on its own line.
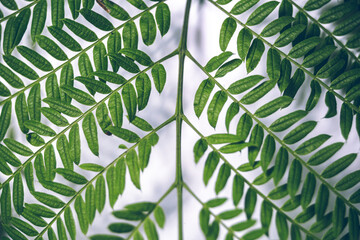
point(77, 55)
point(82, 116)
point(292, 152)
point(263, 196)
point(170, 120)
point(178, 114)
point(352, 106)
point(19, 10)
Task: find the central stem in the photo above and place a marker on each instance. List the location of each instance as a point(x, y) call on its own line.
point(178, 114)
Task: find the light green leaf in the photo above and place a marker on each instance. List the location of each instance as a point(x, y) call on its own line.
point(80, 209)
point(54, 117)
point(281, 226)
point(261, 13)
point(150, 229)
point(241, 226)
point(232, 111)
point(312, 144)
point(163, 17)
point(133, 165)
point(254, 55)
point(222, 178)
point(215, 107)
point(48, 199)
point(237, 189)
point(143, 88)
point(250, 202)
point(62, 107)
point(243, 41)
point(17, 147)
point(273, 106)
point(267, 152)
point(227, 30)
point(287, 121)
point(258, 92)
point(9, 157)
point(210, 165)
point(124, 134)
point(228, 67)
point(200, 148)
point(276, 26)
point(40, 128)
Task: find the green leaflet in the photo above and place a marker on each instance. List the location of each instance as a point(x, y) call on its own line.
point(34, 139)
point(143, 88)
point(20, 67)
point(247, 167)
point(324, 154)
point(353, 93)
point(10, 4)
point(318, 56)
point(345, 79)
point(137, 55)
point(102, 116)
point(88, 4)
point(90, 132)
point(17, 147)
point(202, 95)
point(237, 189)
point(96, 19)
point(100, 57)
point(116, 11)
point(265, 215)
point(91, 167)
point(125, 63)
point(103, 75)
point(285, 73)
point(322, 223)
point(333, 66)
point(116, 110)
point(227, 30)
point(307, 190)
point(232, 111)
point(59, 188)
point(74, 6)
point(121, 227)
point(243, 225)
point(13, 233)
point(287, 121)
point(79, 95)
point(258, 92)
point(235, 147)
point(254, 55)
point(61, 229)
point(5, 119)
point(215, 62)
point(57, 12)
point(150, 229)
point(48, 199)
point(54, 117)
point(144, 149)
point(273, 106)
point(51, 47)
point(29, 177)
point(294, 178)
point(278, 192)
point(62, 107)
point(314, 95)
point(5, 200)
point(210, 165)
point(273, 64)
point(18, 194)
point(321, 202)
point(250, 202)
point(267, 152)
point(281, 226)
point(243, 42)
point(299, 132)
point(215, 202)
point(244, 126)
point(312, 144)
point(353, 224)
point(306, 214)
point(353, 42)
point(243, 6)
point(304, 47)
point(20, 26)
point(124, 134)
point(9, 35)
point(24, 227)
point(338, 218)
point(215, 107)
point(148, 28)
point(261, 13)
point(346, 119)
point(100, 194)
point(113, 46)
point(338, 166)
point(142, 124)
point(66, 78)
point(158, 73)
point(130, 100)
point(163, 18)
point(289, 35)
point(82, 214)
point(133, 166)
point(39, 19)
point(348, 25)
point(34, 103)
point(330, 102)
point(90, 203)
point(4, 91)
point(276, 26)
point(281, 162)
point(80, 30)
point(348, 181)
point(64, 38)
point(200, 148)
point(9, 157)
point(228, 67)
point(35, 58)
point(40, 128)
point(222, 178)
point(244, 84)
point(336, 12)
point(50, 163)
point(94, 85)
point(130, 35)
point(291, 204)
point(62, 146)
point(256, 138)
point(139, 4)
point(315, 4)
point(108, 237)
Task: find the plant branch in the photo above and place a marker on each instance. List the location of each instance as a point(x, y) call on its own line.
point(263, 196)
point(82, 116)
point(281, 142)
point(170, 120)
point(178, 114)
point(77, 55)
point(352, 106)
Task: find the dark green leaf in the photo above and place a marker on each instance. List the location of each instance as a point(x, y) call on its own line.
point(40, 128)
point(237, 189)
point(227, 30)
point(163, 17)
point(312, 144)
point(80, 209)
point(64, 38)
point(232, 111)
point(103, 75)
point(20, 67)
point(281, 226)
point(250, 202)
point(243, 6)
point(48, 200)
point(80, 30)
point(276, 26)
point(261, 13)
point(304, 47)
point(324, 154)
point(223, 176)
point(258, 92)
point(228, 67)
point(159, 76)
point(244, 126)
point(308, 190)
point(348, 181)
point(267, 152)
point(148, 28)
point(143, 88)
point(133, 165)
point(338, 166)
point(331, 104)
point(51, 47)
point(294, 178)
point(90, 132)
point(116, 11)
point(35, 58)
point(244, 40)
point(346, 119)
point(97, 20)
point(125, 63)
point(273, 106)
point(281, 162)
point(54, 117)
point(200, 148)
point(5, 119)
point(215, 107)
point(287, 121)
point(210, 166)
point(254, 55)
point(244, 84)
point(289, 35)
point(67, 109)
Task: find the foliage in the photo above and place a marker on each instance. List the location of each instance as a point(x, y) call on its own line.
point(52, 97)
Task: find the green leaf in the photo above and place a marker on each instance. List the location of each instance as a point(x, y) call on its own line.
point(79, 95)
point(244, 84)
point(306, 214)
point(348, 181)
point(102, 116)
point(10, 4)
point(80, 30)
point(9, 157)
point(150, 229)
point(346, 119)
point(338, 166)
point(222, 178)
point(35, 58)
point(113, 46)
point(291, 204)
point(353, 224)
point(345, 79)
point(133, 165)
point(62, 107)
point(48, 199)
point(220, 138)
point(163, 17)
point(40, 128)
point(202, 95)
point(67, 78)
point(20, 26)
point(281, 226)
point(323, 223)
point(121, 227)
point(148, 28)
point(143, 88)
point(64, 38)
point(34, 103)
point(57, 12)
point(227, 30)
point(338, 217)
point(243, 225)
point(278, 192)
point(254, 55)
point(130, 35)
point(314, 96)
point(273, 64)
point(261, 13)
point(330, 102)
point(267, 152)
point(287, 121)
point(59, 188)
point(24, 227)
point(137, 55)
point(20, 67)
point(210, 166)
point(266, 215)
point(281, 162)
point(348, 25)
point(299, 132)
point(90, 132)
point(103, 75)
point(256, 138)
point(17, 147)
point(125, 63)
point(21, 110)
point(312, 5)
point(80, 209)
point(303, 47)
point(250, 202)
point(129, 215)
point(324, 154)
point(276, 26)
point(4, 91)
point(243, 41)
point(228, 67)
point(18, 194)
point(232, 111)
point(243, 6)
point(258, 92)
point(62, 146)
point(215, 107)
point(318, 56)
point(230, 214)
point(5, 200)
point(244, 126)
point(333, 66)
point(116, 11)
point(50, 162)
point(312, 144)
point(100, 193)
point(159, 76)
point(355, 197)
point(54, 116)
point(34, 139)
point(74, 6)
point(141, 206)
point(124, 134)
point(116, 110)
point(96, 19)
point(308, 190)
point(294, 178)
point(200, 148)
point(5, 119)
point(235, 147)
point(51, 47)
point(237, 189)
point(273, 106)
point(105, 237)
point(159, 216)
point(289, 35)
point(215, 62)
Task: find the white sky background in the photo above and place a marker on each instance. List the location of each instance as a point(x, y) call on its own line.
point(203, 37)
